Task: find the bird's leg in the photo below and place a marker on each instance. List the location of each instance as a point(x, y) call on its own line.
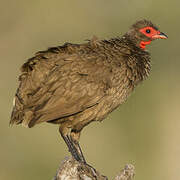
point(73, 146)
point(75, 135)
point(71, 138)
point(75, 138)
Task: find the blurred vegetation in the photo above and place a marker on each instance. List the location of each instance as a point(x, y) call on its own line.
point(144, 131)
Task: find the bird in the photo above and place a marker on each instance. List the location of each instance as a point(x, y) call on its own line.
point(73, 85)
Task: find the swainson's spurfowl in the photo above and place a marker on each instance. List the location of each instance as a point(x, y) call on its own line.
point(75, 84)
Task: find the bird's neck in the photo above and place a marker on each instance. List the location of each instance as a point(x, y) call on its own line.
point(137, 43)
point(143, 44)
point(139, 54)
point(134, 57)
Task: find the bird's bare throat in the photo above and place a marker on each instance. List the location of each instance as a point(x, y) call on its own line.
point(144, 43)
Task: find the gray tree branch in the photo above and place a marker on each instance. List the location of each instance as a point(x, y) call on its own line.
point(71, 169)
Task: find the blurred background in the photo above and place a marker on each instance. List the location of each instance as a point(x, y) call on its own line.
point(145, 131)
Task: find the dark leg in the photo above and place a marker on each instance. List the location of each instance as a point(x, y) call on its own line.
point(73, 144)
point(71, 147)
point(80, 152)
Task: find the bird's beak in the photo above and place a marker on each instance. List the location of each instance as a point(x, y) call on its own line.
point(160, 35)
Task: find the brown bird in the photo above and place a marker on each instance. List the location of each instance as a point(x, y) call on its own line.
point(75, 84)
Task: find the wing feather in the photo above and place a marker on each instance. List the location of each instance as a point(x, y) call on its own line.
point(57, 86)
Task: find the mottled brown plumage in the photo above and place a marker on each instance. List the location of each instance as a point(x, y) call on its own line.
point(75, 84)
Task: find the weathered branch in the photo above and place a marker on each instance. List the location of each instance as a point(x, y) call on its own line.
point(71, 169)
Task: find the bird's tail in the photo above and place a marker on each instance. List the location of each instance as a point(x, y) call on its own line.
point(17, 113)
point(20, 115)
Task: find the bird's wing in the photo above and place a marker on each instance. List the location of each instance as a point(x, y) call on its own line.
point(57, 86)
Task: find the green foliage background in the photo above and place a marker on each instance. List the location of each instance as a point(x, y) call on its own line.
point(144, 131)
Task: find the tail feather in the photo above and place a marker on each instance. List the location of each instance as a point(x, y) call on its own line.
point(16, 117)
point(20, 115)
point(17, 113)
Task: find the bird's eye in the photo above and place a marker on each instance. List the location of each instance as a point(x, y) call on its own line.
point(148, 30)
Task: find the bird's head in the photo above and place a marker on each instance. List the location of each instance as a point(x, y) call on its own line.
point(143, 32)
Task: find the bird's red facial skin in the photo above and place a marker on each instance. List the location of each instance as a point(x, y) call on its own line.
point(150, 33)
point(144, 43)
